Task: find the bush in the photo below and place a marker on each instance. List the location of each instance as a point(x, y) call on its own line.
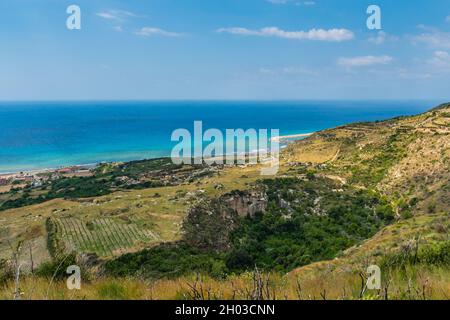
point(166, 261)
point(112, 291)
point(56, 268)
point(434, 255)
point(6, 272)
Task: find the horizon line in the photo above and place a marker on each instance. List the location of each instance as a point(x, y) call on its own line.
point(222, 100)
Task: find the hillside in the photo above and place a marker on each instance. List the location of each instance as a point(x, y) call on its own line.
point(344, 198)
point(124, 220)
point(406, 159)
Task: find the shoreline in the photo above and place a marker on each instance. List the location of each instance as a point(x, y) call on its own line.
point(34, 172)
point(292, 136)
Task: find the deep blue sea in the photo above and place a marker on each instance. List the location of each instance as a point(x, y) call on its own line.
point(36, 135)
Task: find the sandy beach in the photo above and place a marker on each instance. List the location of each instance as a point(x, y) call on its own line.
point(292, 136)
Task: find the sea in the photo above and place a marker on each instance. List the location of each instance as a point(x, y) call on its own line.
point(41, 135)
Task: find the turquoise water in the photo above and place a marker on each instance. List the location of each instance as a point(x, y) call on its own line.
point(52, 134)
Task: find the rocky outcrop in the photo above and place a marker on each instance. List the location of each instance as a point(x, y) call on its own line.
point(87, 260)
point(208, 225)
point(246, 203)
point(210, 222)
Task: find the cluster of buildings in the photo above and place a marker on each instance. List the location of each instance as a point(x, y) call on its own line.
point(38, 178)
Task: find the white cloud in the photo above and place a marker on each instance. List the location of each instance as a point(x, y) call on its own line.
point(381, 38)
point(364, 61)
point(117, 15)
point(423, 69)
point(440, 60)
point(435, 39)
point(150, 31)
point(313, 34)
point(106, 15)
point(278, 1)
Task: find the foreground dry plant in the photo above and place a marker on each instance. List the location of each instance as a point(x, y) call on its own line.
point(420, 283)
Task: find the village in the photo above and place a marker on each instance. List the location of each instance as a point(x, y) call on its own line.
point(37, 178)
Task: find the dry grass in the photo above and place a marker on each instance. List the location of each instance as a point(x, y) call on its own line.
point(314, 150)
point(420, 283)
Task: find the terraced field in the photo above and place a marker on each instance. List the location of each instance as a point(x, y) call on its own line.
point(103, 236)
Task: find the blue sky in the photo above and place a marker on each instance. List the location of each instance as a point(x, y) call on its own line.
point(224, 49)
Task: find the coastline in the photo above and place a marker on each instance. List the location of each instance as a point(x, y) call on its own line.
point(34, 172)
point(291, 137)
point(40, 140)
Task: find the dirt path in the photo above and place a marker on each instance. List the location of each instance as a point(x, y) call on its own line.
point(335, 156)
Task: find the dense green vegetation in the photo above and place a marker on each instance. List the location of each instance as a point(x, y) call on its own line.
point(315, 222)
point(57, 268)
point(305, 221)
point(167, 261)
point(52, 241)
point(134, 169)
point(437, 255)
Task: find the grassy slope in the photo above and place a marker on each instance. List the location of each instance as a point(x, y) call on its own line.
point(404, 158)
point(417, 181)
point(429, 230)
point(337, 279)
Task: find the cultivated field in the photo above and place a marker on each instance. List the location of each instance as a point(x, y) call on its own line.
point(104, 236)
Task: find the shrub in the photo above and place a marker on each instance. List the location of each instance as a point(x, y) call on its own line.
point(112, 291)
point(56, 268)
point(435, 255)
